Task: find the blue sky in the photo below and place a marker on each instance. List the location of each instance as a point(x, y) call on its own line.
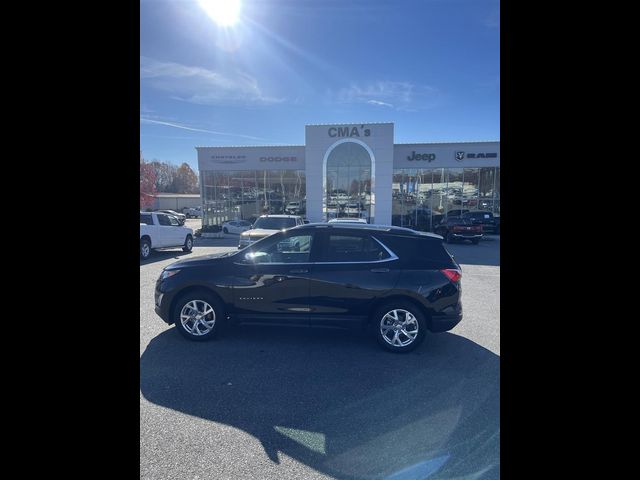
point(432, 67)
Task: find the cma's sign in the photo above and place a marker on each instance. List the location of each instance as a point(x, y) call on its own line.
point(278, 159)
point(460, 156)
point(349, 131)
point(427, 157)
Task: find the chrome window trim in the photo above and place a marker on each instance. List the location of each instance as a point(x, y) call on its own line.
point(392, 257)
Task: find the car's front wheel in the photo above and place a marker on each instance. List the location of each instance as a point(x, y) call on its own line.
point(400, 326)
point(197, 315)
point(188, 244)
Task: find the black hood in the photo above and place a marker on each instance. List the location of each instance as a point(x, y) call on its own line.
point(199, 261)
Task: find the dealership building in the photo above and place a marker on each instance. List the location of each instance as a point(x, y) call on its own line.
point(350, 170)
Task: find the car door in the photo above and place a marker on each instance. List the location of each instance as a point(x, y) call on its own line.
point(272, 279)
point(178, 233)
point(353, 269)
point(165, 234)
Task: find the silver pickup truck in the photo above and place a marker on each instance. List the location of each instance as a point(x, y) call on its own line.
point(159, 230)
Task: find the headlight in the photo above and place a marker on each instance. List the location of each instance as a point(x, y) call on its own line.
point(168, 273)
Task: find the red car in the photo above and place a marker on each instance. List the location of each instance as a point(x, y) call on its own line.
point(457, 228)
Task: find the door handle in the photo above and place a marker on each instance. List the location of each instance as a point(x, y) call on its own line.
point(379, 270)
point(299, 270)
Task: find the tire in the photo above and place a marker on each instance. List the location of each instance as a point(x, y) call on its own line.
point(225, 230)
point(206, 326)
point(188, 244)
point(404, 311)
point(475, 241)
point(145, 249)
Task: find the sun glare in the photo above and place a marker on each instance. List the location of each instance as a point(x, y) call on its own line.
point(224, 12)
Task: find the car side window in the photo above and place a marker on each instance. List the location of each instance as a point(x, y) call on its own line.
point(146, 219)
point(164, 220)
point(290, 249)
point(353, 248)
point(174, 221)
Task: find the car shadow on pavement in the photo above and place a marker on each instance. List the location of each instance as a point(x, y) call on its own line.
point(336, 401)
point(159, 255)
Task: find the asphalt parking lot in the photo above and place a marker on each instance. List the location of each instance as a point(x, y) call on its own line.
point(278, 403)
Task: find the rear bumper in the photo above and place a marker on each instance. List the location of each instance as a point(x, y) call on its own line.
point(443, 323)
point(466, 235)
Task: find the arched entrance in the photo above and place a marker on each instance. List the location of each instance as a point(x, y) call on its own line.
point(348, 178)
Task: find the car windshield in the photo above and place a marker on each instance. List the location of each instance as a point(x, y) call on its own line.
point(274, 223)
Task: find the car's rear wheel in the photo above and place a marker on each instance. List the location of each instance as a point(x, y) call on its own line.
point(400, 326)
point(145, 249)
point(197, 315)
point(188, 244)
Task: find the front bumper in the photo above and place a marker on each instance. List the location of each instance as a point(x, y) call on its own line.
point(162, 302)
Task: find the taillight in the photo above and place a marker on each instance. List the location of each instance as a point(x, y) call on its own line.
point(452, 274)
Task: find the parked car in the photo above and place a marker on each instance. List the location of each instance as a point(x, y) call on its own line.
point(347, 220)
point(161, 230)
point(482, 218)
point(456, 212)
point(398, 282)
point(295, 208)
point(458, 228)
point(193, 212)
point(236, 226)
point(267, 225)
point(180, 216)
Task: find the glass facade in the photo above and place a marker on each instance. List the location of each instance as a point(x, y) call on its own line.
point(348, 183)
point(421, 198)
point(247, 194)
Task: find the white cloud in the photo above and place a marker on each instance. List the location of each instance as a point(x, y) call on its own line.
point(398, 95)
point(202, 86)
point(382, 104)
point(493, 20)
point(186, 127)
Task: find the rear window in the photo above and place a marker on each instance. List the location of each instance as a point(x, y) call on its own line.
point(352, 248)
point(277, 223)
point(146, 219)
point(419, 251)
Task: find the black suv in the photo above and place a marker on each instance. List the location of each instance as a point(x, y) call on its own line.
point(396, 281)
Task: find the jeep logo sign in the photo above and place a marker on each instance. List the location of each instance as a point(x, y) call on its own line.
point(349, 131)
point(428, 157)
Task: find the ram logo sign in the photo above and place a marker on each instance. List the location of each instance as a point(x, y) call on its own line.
point(461, 155)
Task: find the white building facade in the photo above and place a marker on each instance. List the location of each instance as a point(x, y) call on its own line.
point(350, 170)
